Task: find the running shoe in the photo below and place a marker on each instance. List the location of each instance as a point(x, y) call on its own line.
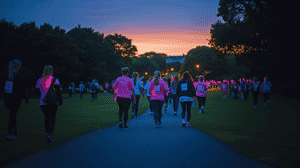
point(255, 107)
point(136, 116)
point(188, 124)
point(183, 124)
point(175, 113)
point(120, 124)
point(151, 113)
point(132, 115)
point(49, 138)
point(200, 111)
point(15, 131)
point(268, 101)
point(10, 137)
point(126, 126)
point(265, 104)
point(156, 125)
point(159, 123)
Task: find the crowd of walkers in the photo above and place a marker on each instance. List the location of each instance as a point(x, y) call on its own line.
point(127, 91)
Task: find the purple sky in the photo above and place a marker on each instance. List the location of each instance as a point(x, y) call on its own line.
point(171, 27)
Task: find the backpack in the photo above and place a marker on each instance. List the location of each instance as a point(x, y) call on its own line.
point(51, 97)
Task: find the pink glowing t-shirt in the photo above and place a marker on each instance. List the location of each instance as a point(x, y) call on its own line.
point(201, 92)
point(124, 86)
point(157, 91)
point(44, 84)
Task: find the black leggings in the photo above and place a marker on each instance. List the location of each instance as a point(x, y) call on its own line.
point(186, 106)
point(124, 104)
point(175, 102)
point(150, 104)
point(50, 115)
point(201, 101)
point(157, 106)
point(266, 96)
point(13, 108)
point(135, 107)
point(255, 97)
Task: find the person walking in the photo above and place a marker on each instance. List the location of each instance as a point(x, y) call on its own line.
point(138, 89)
point(106, 88)
point(255, 90)
point(201, 87)
point(125, 86)
point(266, 90)
point(224, 89)
point(92, 89)
point(169, 92)
point(186, 91)
point(166, 98)
point(244, 89)
point(71, 90)
point(146, 87)
point(81, 89)
point(47, 88)
point(157, 87)
point(96, 89)
point(174, 96)
point(14, 90)
point(110, 87)
point(235, 89)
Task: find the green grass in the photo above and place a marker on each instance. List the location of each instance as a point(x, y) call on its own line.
point(269, 134)
point(74, 118)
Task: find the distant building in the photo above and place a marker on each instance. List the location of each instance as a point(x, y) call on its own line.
point(171, 59)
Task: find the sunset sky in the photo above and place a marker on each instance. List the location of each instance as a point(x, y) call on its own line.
point(170, 27)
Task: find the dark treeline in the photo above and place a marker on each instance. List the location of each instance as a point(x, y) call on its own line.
point(261, 35)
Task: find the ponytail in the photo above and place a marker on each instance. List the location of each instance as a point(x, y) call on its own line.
point(134, 75)
point(157, 75)
point(11, 69)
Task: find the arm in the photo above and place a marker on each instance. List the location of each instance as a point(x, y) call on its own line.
point(59, 94)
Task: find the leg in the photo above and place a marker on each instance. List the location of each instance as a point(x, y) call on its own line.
point(46, 112)
point(268, 96)
point(183, 105)
point(265, 97)
point(137, 104)
point(189, 105)
point(159, 110)
point(121, 107)
point(52, 114)
point(133, 105)
point(199, 102)
point(127, 103)
point(155, 109)
point(12, 123)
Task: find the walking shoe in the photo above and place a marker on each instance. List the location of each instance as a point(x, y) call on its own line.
point(159, 123)
point(132, 115)
point(120, 124)
point(188, 124)
point(265, 104)
point(10, 137)
point(156, 125)
point(151, 113)
point(183, 123)
point(268, 101)
point(175, 113)
point(126, 126)
point(15, 131)
point(136, 116)
point(200, 111)
point(255, 107)
point(49, 138)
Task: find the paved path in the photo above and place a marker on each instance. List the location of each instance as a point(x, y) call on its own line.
point(141, 145)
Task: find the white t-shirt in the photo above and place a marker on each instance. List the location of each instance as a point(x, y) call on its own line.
point(137, 87)
point(147, 87)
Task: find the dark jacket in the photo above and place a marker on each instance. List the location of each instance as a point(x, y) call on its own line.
point(18, 90)
point(190, 92)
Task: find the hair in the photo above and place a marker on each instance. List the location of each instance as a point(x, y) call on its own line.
point(201, 78)
point(187, 76)
point(165, 79)
point(150, 79)
point(267, 79)
point(255, 79)
point(176, 79)
point(157, 75)
point(125, 70)
point(169, 81)
point(135, 76)
point(47, 70)
point(11, 68)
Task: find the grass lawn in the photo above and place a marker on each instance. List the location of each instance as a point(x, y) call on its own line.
point(269, 134)
point(74, 118)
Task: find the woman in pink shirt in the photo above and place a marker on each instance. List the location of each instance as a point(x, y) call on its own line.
point(157, 87)
point(125, 87)
point(224, 89)
point(49, 110)
point(201, 93)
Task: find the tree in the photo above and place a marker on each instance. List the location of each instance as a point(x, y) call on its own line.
point(145, 64)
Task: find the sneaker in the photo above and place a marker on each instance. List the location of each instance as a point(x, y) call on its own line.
point(156, 125)
point(132, 115)
point(255, 107)
point(265, 104)
point(126, 126)
point(268, 101)
point(49, 138)
point(120, 124)
point(200, 111)
point(175, 113)
point(188, 124)
point(183, 123)
point(151, 113)
point(10, 137)
point(15, 132)
point(159, 123)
